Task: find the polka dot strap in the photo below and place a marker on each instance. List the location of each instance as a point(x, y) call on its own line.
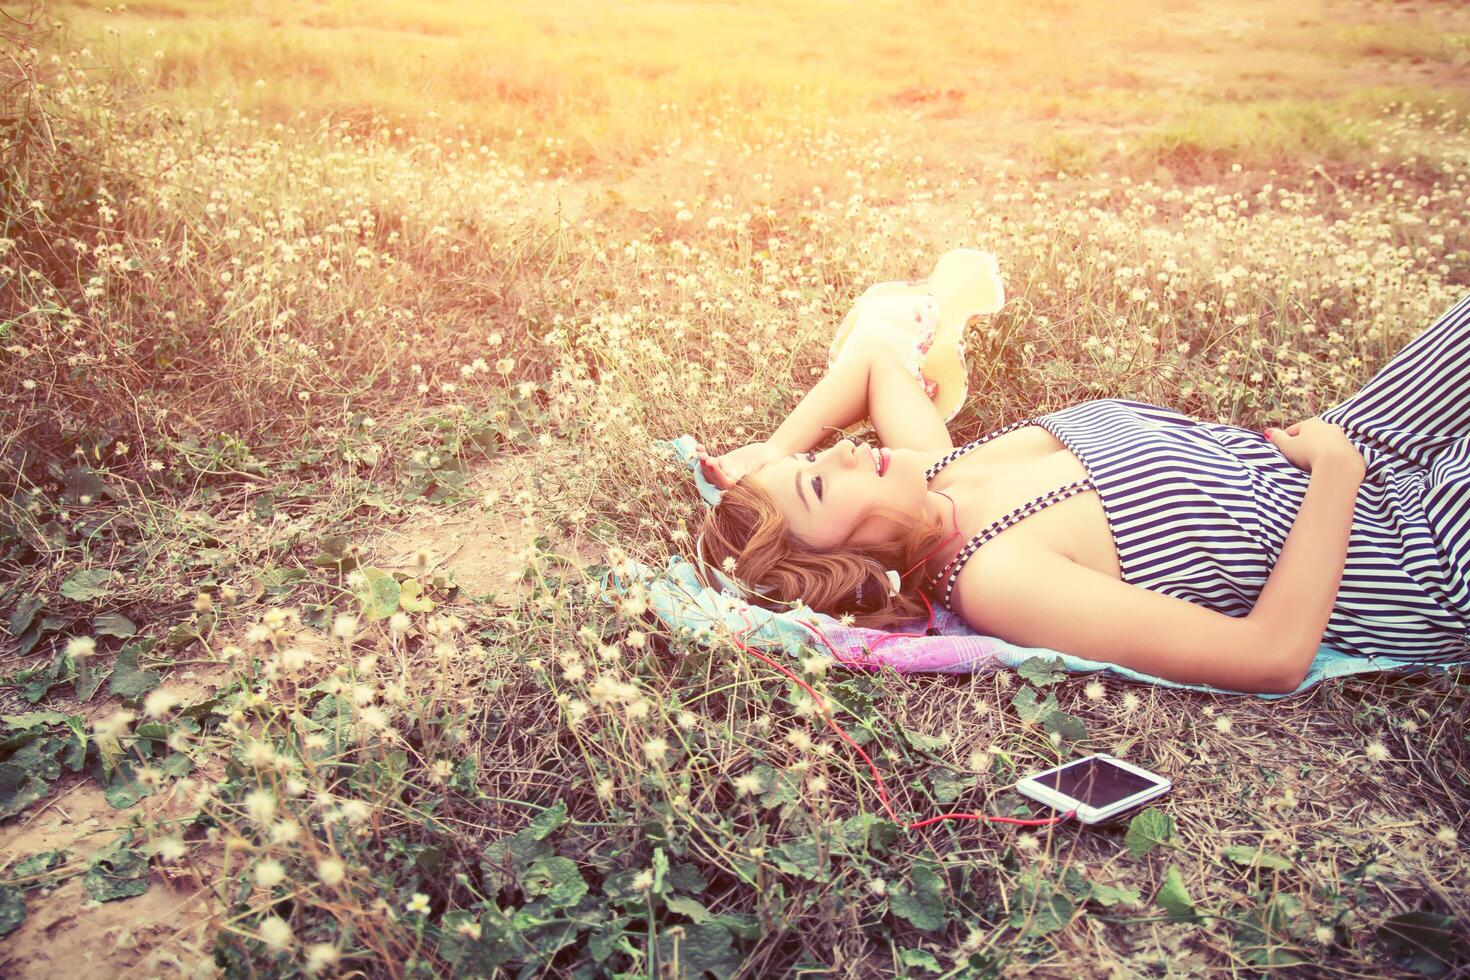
point(1014, 517)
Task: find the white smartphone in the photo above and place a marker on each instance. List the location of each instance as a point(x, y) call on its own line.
point(1100, 788)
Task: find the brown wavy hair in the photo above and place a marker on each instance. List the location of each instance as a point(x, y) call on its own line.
point(748, 525)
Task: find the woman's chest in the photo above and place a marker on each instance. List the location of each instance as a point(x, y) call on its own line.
point(992, 480)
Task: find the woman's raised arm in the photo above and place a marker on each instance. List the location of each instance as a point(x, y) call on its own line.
point(867, 382)
point(839, 399)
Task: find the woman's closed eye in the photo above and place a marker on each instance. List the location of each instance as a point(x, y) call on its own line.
point(811, 457)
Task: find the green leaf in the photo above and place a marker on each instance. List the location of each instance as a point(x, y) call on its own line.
point(1027, 707)
point(90, 675)
point(1038, 906)
point(28, 771)
point(379, 594)
point(113, 624)
point(918, 900)
point(864, 832)
point(12, 910)
point(179, 764)
point(60, 670)
point(1150, 827)
point(472, 956)
point(949, 786)
point(83, 481)
point(548, 820)
point(1111, 894)
point(1267, 933)
point(19, 789)
point(23, 614)
point(410, 597)
point(334, 551)
point(180, 636)
point(1069, 726)
point(124, 793)
point(742, 925)
point(1172, 896)
point(75, 751)
point(1041, 671)
point(87, 584)
point(921, 742)
point(603, 942)
point(117, 871)
point(317, 615)
point(27, 641)
point(686, 877)
point(1421, 941)
point(33, 719)
point(36, 864)
point(333, 715)
point(697, 949)
point(660, 868)
point(920, 957)
point(798, 857)
point(516, 852)
point(278, 580)
point(690, 907)
point(110, 755)
point(555, 878)
point(1075, 883)
point(784, 786)
point(1250, 857)
point(129, 681)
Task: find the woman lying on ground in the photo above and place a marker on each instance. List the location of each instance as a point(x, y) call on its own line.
point(1124, 532)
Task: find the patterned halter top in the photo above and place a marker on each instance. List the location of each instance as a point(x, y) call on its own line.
point(950, 572)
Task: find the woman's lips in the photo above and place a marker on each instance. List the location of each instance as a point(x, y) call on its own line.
point(880, 460)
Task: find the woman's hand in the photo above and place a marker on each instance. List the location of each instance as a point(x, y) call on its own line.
point(1315, 442)
point(725, 471)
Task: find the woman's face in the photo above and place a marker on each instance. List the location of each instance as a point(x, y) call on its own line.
point(831, 497)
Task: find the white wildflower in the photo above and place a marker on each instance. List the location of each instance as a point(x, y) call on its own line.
point(320, 956)
point(331, 871)
point(261, 805)
point(159, 702)
point(748, 784)
point(170, 849)
point(275, 932)
point(270, 873)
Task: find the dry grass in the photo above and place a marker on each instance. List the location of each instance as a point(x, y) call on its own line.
point(245, 362)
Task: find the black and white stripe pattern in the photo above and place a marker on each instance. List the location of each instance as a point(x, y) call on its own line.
point(1201, 510)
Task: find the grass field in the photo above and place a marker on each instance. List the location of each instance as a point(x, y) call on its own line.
point(339, 340)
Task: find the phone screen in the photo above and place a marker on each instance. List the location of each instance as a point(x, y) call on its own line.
point(1095, 782)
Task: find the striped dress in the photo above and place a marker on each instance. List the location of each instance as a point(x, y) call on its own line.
point(1201, 510)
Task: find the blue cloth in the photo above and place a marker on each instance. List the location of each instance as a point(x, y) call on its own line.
point(683, 448)
point(687, 607)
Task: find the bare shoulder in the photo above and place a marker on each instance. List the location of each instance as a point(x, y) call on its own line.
point(983, 582)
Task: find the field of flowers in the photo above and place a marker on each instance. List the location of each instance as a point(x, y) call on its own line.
point(338, 344)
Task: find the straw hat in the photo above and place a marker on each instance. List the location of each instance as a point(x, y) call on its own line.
point(923, 322)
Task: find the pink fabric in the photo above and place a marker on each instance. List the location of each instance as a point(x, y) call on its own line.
point(956, 650)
